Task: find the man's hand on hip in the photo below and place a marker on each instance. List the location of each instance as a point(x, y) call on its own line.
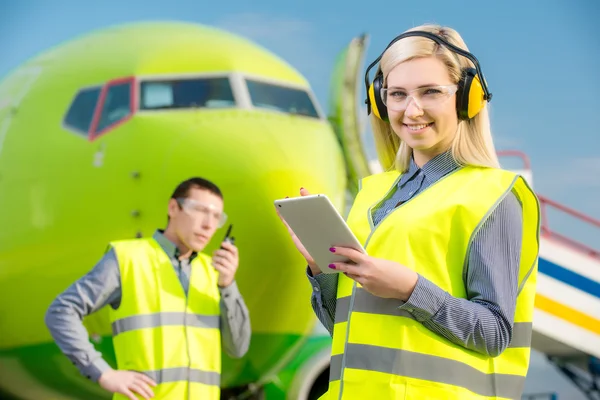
point(127, 383)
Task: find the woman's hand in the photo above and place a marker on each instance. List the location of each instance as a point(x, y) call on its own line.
point(381, 278)
point(309, 260)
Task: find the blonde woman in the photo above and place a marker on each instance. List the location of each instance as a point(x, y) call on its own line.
point(442, 306)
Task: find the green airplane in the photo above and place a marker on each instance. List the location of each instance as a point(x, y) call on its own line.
point(94, 136)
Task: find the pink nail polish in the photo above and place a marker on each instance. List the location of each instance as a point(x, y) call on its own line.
point(332, 249)
point(332, 266)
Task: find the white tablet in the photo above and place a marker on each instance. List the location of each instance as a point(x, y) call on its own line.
point(319, 226)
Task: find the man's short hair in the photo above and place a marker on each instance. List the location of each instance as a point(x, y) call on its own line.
point(182, 191)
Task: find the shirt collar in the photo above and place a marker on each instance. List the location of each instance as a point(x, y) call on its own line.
point(168, 246)
point(413, 169)
point(433, 170)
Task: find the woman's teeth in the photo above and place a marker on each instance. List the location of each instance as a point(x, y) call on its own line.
point(417, 127)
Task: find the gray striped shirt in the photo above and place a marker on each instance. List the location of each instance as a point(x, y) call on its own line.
point(484, 321)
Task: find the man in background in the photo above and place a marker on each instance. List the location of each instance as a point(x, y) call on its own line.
point(171, 306)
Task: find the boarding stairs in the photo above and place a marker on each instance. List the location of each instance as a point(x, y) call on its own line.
point(566, 323)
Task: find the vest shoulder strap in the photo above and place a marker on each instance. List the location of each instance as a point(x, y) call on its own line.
point(381, 178)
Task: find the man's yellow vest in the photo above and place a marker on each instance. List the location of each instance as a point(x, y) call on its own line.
point(173, 338)
point(381, 352)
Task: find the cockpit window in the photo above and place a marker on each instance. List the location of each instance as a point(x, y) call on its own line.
point(96, 110)
point(280, 98)
point(187, 93)
point(81, 112)
point(117, 105)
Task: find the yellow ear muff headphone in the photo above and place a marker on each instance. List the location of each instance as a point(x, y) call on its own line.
point(472, 88)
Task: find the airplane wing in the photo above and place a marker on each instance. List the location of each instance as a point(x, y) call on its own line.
point(344, 110)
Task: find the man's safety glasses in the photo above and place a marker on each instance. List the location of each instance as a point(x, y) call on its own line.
point(197, 209)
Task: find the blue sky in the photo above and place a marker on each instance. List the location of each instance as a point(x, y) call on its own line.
point(540, 59)
point(540, 62)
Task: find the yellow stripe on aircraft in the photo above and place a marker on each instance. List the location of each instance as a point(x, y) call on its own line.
point(568, 314)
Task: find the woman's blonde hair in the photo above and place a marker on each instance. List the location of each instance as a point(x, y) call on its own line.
point(473, 143)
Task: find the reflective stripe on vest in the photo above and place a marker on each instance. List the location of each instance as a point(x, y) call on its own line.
point(157, 330)
point(366, 303)
point(184, 374)
point(379, 351)
point(163, 319)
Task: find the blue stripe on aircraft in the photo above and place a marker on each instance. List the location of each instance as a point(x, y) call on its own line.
point(569, 277)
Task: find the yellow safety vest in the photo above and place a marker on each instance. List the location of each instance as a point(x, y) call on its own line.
point(173, 338)
point(381, 352)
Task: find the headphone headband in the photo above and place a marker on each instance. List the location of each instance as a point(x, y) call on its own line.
point(440, 41)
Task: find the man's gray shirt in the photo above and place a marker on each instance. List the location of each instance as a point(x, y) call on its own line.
point(102, 286)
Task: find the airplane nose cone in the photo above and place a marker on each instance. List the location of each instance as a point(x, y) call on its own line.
point(269, 156)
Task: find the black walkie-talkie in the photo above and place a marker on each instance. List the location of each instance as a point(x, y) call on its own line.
point(227, 238)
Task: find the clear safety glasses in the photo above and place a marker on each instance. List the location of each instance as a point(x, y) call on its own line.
point(426, 97)
point(200, 210)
